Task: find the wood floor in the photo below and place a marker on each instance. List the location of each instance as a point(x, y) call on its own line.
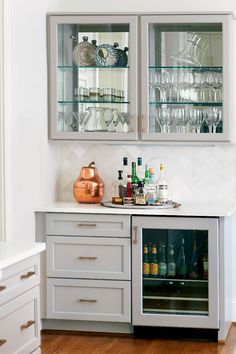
point(61, 343)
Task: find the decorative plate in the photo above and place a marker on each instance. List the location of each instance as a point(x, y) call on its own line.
point(106, 55)
point(83, 53)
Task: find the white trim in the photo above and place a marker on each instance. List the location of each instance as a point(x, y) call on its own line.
point(5, 131)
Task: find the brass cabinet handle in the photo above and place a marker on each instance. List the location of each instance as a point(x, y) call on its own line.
point(27, 275)
point(143, 126)
point(87, 257)
point(135, 234)
point(27, 324)
point(2, 341)
point(87, 225)
point(88, 300)
point(2, 287)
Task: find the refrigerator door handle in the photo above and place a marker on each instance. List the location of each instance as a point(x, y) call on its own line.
point(135, 235)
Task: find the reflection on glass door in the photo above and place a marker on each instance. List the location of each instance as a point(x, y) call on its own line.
point(175, 272)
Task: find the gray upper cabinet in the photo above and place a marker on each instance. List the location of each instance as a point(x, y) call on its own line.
point(185, 78)
point(93, 77)
point(171, 71)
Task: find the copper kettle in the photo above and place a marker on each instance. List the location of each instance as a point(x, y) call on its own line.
point(89, 187)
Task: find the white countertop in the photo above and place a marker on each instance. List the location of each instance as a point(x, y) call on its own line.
point(207, 209)
point(13, 252)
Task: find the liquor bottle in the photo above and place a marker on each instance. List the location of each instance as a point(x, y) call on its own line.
point(146, 175)
point(146, 265)
point(181, 264)
point(134, 177)
point(151, 187)
point(140, 195)
point(162, 186)
point(171, 265)
point(154, 264)
point(116, 199)
point(125, 168)
point(140, 171)
point(193, 271)
point(162, 266)
point(205, 256)
point(129, 199)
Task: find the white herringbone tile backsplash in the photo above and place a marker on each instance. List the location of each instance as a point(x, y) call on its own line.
point(195, 173)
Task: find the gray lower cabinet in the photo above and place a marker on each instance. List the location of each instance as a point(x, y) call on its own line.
point(19, 308)
point(88, 267)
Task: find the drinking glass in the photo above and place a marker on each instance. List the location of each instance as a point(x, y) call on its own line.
point(196, 119)
point(209, 117)
point(162, 115)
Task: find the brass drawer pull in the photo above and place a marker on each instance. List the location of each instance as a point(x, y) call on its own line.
point(88, 300)
point(27, 275)
point(26, 325)
point(2, 287)
point(87, 225)
point(87, 257)
point(2, 341)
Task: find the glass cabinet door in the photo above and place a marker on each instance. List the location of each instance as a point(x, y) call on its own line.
point(185, 64)
point(178, 272)
point(93, 84)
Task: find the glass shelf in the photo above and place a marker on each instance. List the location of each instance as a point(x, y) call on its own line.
point(198, 68)
point(89, 102)
point(187, 280)
point(210, 104)
point(75, 68)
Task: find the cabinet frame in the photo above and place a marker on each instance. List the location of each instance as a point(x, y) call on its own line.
point(53, 21)
point(139, 106)
point(166, 320)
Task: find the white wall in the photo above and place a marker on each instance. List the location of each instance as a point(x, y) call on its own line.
point(34, 160)
point(39, 167)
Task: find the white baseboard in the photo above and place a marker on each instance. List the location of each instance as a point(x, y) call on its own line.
point(87, 326)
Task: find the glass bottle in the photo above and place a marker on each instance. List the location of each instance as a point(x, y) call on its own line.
point(140, 171)
point(181, 264)
point(116, 199)
point(134, 177)
point(193, 271)
point(146, 265)
point(146, 175)
point(205, 257)
point(129, 198)
point(171, 265)
point(162, 266)
point(154, 264)
point(162, 186)
point(151, 187)
point(140, 195)
point(125, 168)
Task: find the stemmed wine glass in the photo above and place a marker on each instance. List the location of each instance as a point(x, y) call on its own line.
point(162, 115)
point(196, 119)
point(212, 118)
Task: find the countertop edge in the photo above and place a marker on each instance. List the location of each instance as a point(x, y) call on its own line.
point(20, 255)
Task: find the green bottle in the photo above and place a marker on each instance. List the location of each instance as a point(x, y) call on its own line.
point(162, 263)
point(134, 177)
point(146, 175)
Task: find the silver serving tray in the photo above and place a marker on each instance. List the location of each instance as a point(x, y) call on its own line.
point(168, 205)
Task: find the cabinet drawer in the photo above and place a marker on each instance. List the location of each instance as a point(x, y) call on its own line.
point(88, 225)
point(19, 278)
point(91, 300)
point(88, 257)
point(19, 324)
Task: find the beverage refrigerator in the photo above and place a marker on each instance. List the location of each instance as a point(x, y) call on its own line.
point(175, 274)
